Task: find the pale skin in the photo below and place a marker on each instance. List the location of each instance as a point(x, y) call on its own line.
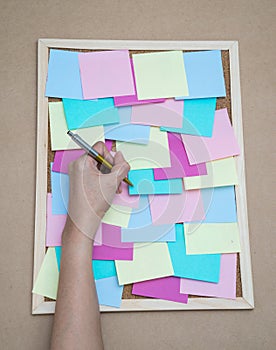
point(77, 318)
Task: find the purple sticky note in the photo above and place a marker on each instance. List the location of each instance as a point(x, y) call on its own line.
point(63, 158)
point(106, 74)
point(112, 247)
point(132, 100)
point(167, 288)
point(225, 288)
point(170, 209)
point(55, 225)
point(180, 166)
point(168, 113)
point(222, 144)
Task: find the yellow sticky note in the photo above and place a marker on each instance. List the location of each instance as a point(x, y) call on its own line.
point(150, 260)
point(212, 238)
point(221, 172)
point(117, 215)
point(46, 283)
point(155, 154)
point(160, 75)
point(59, 138)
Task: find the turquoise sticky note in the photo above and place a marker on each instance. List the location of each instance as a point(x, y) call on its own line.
point(203, 267)
point(198, 117)
point(101, 268)
point(141, 229)
point(144, 183)
point(219, 204)
point(87, 113)
point(60, 192)
point(58, 255)
point(204, 73)
point(63, 75)
point(125, 131)
point(109, 292)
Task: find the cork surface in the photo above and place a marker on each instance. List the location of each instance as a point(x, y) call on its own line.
point(253, 24)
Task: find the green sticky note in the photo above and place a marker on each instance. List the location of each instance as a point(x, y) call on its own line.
point(212, 238)
point(58, 127)
point(151, 260)
point(46, 283)
point(221, 172)
point(117, 215)
point(155, 154)
point(160, 75)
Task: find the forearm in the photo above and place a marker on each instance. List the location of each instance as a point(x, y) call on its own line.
point(77, 317)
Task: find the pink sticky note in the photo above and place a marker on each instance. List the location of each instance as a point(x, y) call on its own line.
point(108, 144)
point(132, 100)
point(63, 158)
point(112, 247)
point(106, 74)
point(125, 199)
point(222, 144)
point(55, 225)
point(177, 208)
point(225, 288)
point(166, 288)
point(168, 114)
point(180, 166)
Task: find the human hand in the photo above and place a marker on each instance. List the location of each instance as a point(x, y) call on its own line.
point(92, 192)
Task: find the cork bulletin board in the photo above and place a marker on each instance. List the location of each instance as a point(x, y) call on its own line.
point(232, 101)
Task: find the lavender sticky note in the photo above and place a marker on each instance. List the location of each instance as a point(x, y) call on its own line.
point(106, 74)
point(180, 166)
point(171, 209)
point(168, 114)
point(225, 288)
point(167, 288)
point(222, 144)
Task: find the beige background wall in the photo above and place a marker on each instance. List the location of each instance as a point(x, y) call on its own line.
point(251, 22)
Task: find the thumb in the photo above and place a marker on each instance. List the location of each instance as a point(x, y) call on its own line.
point(120, 167)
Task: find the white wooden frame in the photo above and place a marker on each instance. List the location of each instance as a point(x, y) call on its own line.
point(39, 306)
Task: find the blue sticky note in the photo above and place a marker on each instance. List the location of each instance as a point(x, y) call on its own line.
point(125, 131)
point(144, 183)
point(87, 113)
point(204, 72)
point(63, 75)
point(219, 204)
point(140, 228)
point(60, 192)
point(203, 267)
point(109, 292)
point(101, 268)
point(198, 117)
